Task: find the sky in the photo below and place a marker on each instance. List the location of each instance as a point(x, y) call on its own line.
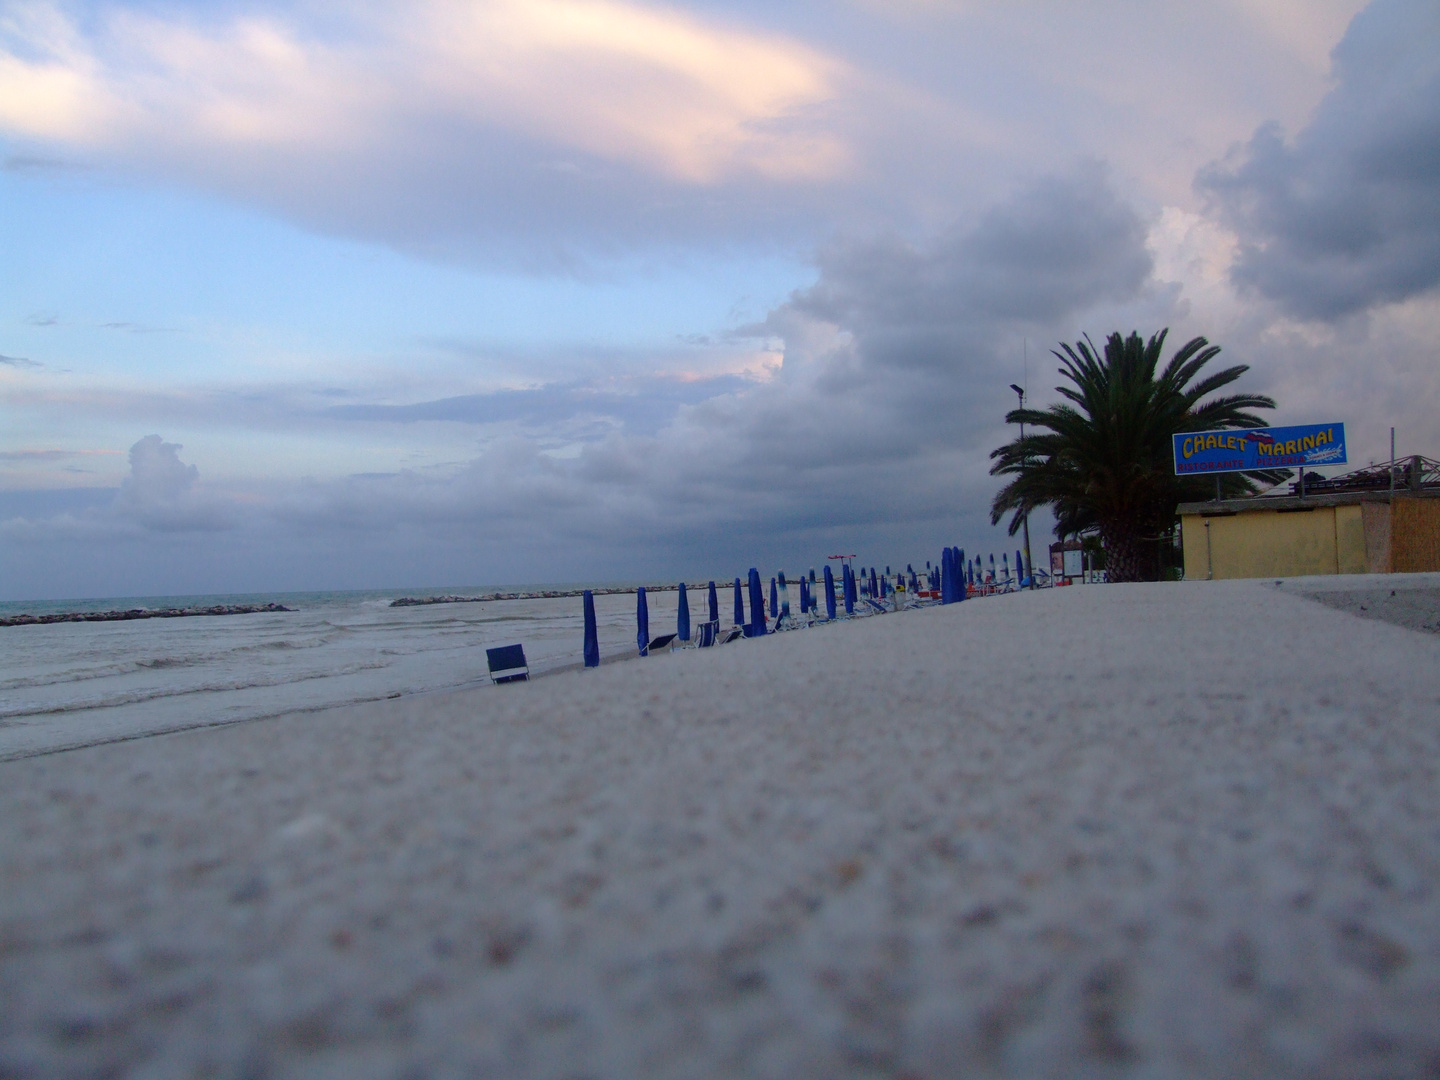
point(321, 295)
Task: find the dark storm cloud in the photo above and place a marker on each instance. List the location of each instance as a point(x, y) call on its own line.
point(893, 387)
point(1063, 245)
point(1347, 216)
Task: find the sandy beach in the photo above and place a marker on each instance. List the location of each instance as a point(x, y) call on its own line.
point(1132, 830)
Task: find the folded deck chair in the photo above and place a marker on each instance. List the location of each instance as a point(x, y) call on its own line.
point(661, 644)
point(735, 633)
point(507, 664)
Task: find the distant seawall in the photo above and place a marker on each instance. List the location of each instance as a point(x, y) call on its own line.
point(141, 613)
point(548, 594)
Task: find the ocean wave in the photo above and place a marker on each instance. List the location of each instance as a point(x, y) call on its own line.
point(104, 671)
point(135, 697)
point(115, 669)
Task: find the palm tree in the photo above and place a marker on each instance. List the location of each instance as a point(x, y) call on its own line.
point(1104, 463)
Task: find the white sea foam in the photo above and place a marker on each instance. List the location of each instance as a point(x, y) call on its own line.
point(73, 684)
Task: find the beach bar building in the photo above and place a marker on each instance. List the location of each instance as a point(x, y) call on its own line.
point(1329, 530)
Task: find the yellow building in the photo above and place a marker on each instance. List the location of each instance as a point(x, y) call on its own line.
point(1349, 532)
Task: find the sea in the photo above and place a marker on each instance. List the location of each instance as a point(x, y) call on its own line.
point(66, 685)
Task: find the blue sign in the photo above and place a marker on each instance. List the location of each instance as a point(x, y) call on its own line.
point(1248, 449)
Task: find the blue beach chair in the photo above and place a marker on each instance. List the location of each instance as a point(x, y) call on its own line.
point(507, 664)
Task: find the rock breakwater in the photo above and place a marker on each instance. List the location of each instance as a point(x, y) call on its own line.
point(140, 613)
point(546, 594)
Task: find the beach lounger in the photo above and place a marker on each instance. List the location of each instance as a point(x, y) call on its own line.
point(507, 664)
point(709, 634)
point(735, 633)
point(663, 643)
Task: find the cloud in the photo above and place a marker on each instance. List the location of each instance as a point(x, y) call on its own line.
point(1346, 217)
point(639, 406)
point(51, 455)
point(159, 494)
point(1063, 244)
point(891, 390)
point(19, 362)
point(872, 431)
point(388, 120)
point(136, 328)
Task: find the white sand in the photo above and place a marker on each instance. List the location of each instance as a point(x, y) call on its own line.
point(1166, 830)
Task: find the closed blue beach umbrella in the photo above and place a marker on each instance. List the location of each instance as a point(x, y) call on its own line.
point(947, 574)
point(739, 605)
point(829, 592)
point(874, 585)
point(850, 590)
point(682, 618)
point(592, 639)
point(1019, 569)
point(642, 621)
point(804, 596)
point(774, 600)
point(960, 593)
point(757, 605)
point(714, 605)
point(992, 566)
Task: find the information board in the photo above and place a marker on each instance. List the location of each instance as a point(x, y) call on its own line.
point(1248, 449)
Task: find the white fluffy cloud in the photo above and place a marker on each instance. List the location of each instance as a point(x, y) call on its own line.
point(160, 494)
point(441, 123)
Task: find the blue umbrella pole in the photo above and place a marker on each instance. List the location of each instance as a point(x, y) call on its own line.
point(829, 593)
point(739, 605)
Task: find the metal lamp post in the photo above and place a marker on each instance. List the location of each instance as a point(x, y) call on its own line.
point(1029, 558)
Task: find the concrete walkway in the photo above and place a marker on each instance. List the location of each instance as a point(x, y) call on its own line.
point(1150, 831)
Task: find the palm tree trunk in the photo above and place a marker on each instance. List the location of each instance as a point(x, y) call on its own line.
point(1128, 557)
